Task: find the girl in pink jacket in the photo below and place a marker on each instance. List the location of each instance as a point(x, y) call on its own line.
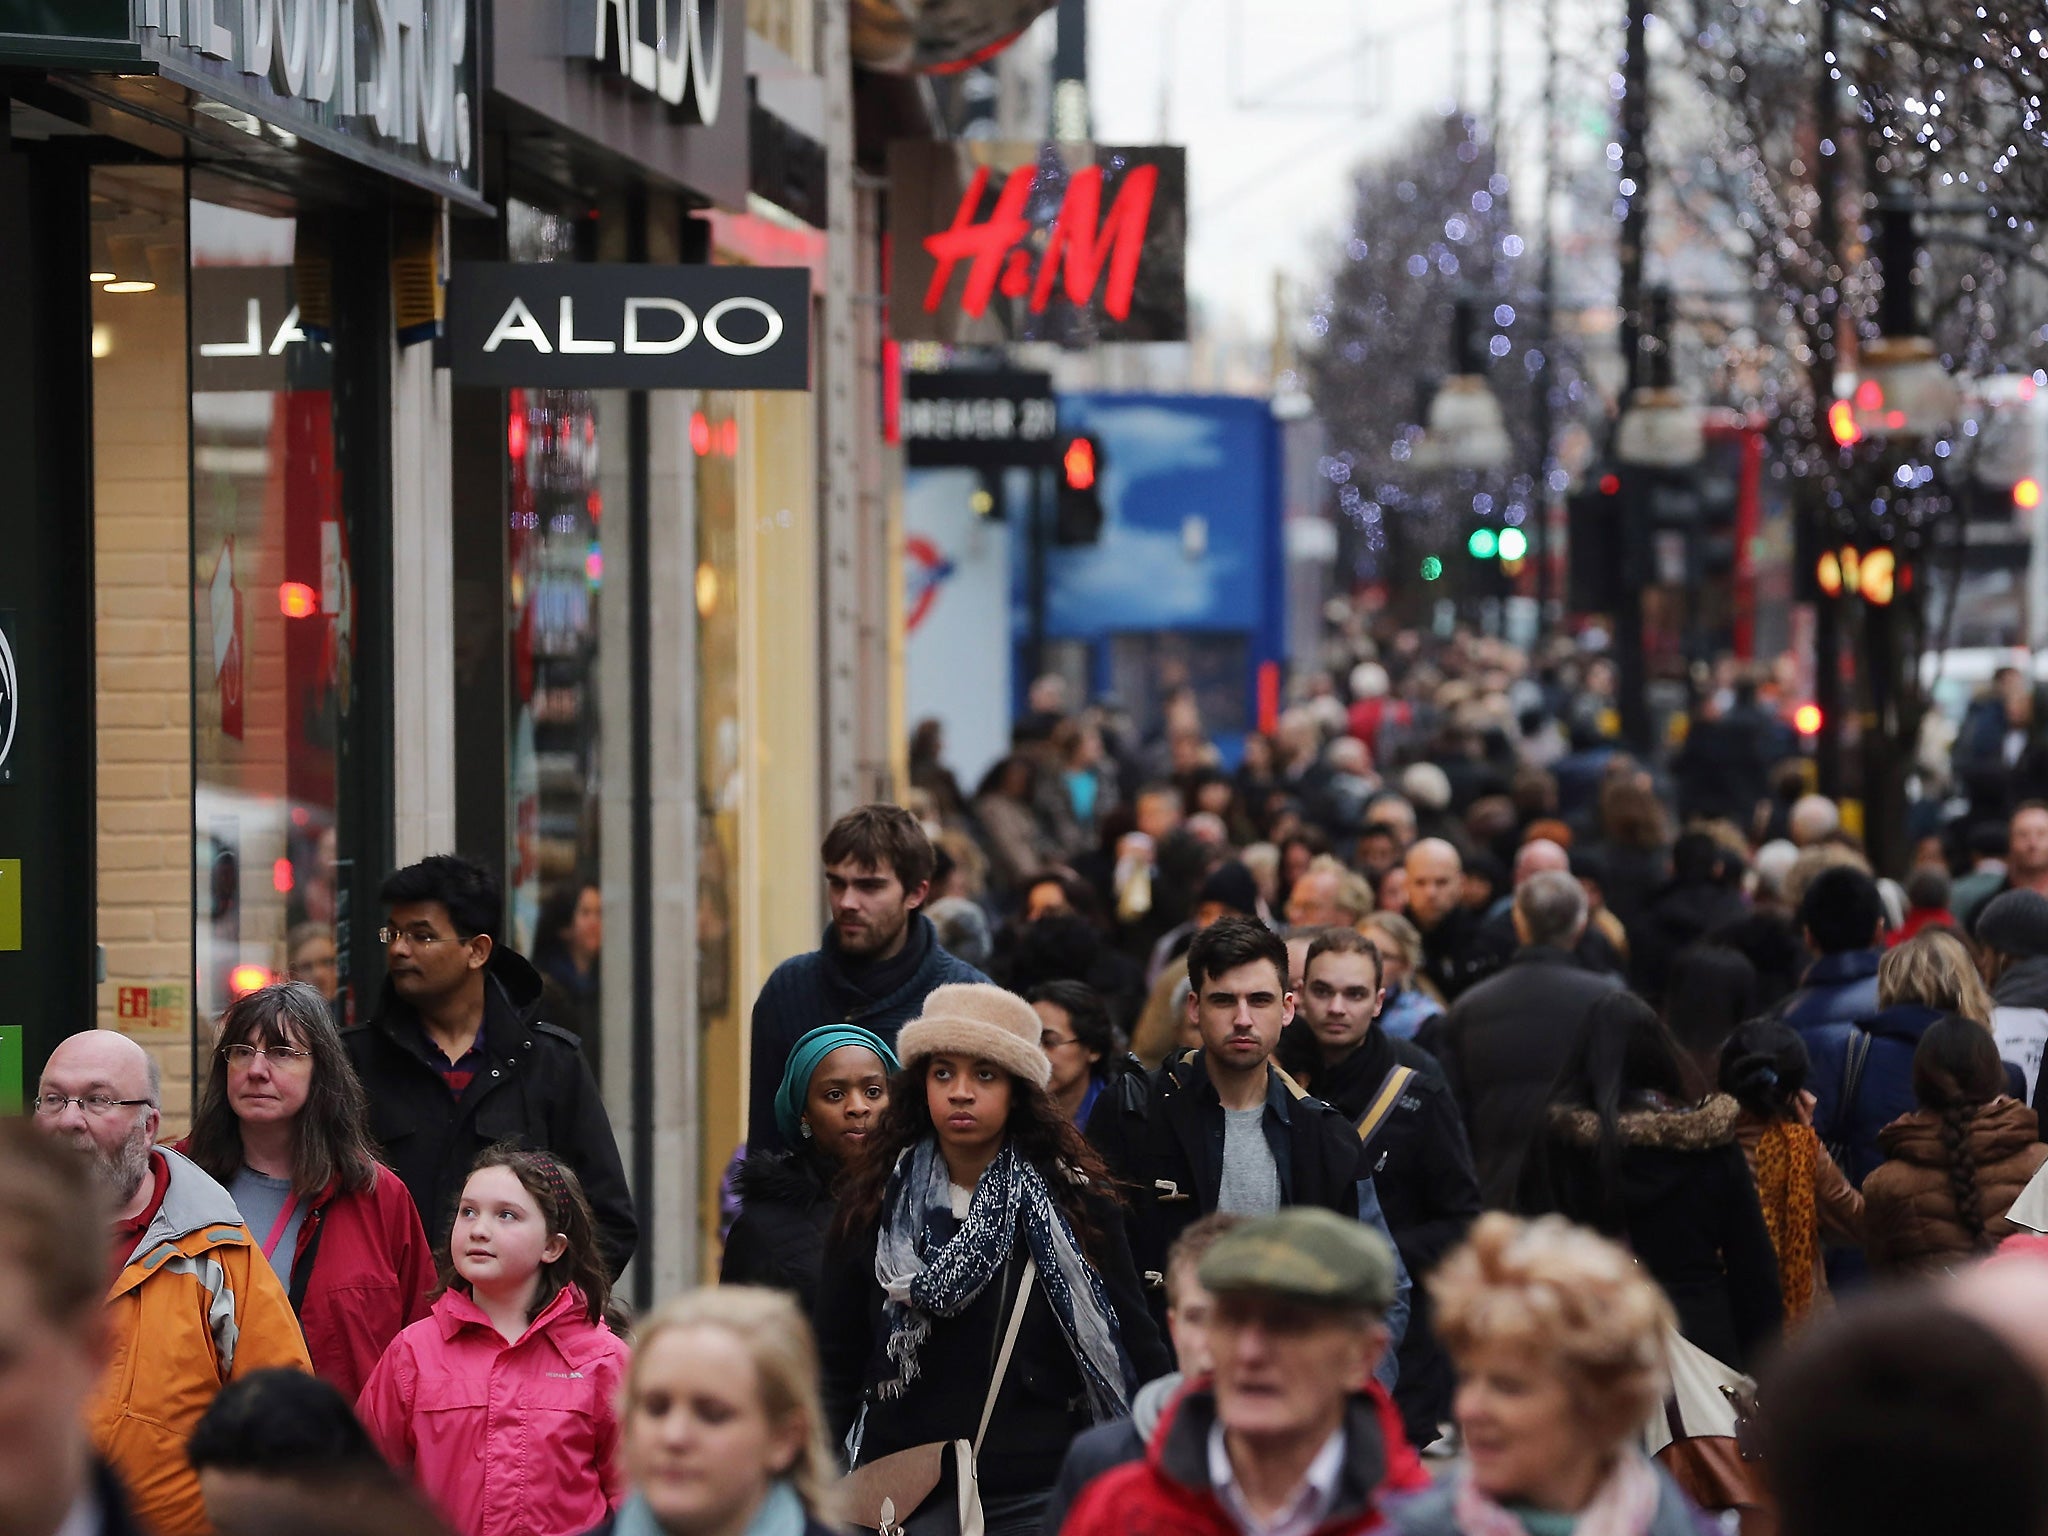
point(501, 1401)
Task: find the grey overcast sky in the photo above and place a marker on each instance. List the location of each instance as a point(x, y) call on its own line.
point(1276, 100)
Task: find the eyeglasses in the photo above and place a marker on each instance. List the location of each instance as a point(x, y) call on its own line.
point(241, 1058)
point(92, 1103)
point(1054, 1042)
point(415, 938)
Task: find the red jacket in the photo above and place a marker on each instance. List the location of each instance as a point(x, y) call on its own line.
point(361, 1271)
point(370, 1274)
point(1168, 1493)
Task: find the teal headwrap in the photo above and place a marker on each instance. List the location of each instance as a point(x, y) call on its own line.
point(803, 1061)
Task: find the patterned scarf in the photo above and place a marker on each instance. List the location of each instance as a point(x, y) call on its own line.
point(1623, 1505)
point(1786, 1157)
point(930, 1267)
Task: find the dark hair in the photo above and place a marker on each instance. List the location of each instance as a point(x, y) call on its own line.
point(1711, 989)
point(283, 1423)
point(469, 892)
point(559, 1194)
point(1899, 1414)
point(1343, 941)
point(1927, 888)
point(1956, 1072)
point(550, 930)
point(1230, 942)
point(1043, 1136)
point(1841, 909)
point(1087, 1015)
point(1623, 1051)
point(881, 837)
point(1990, 840)
point(331, 1142)
point(1699, 858)
point(53, 1224)
point(1764, 1067)
point(1078, 894)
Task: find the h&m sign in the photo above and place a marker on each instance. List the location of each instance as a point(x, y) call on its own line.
point(573, 325)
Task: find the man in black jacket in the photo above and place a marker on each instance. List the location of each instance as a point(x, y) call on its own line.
point(1221, 1128)
point(1504, 1042)
point(879, 961)
point(1394, 1094)
point(458, 1058)
point(1451, 952)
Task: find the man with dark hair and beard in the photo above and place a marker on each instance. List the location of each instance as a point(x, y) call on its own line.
point(195, 1303)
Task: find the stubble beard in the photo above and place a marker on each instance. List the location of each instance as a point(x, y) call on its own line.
point(121, 1173)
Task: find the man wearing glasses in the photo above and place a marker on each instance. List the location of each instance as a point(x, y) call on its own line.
point(194, 1304)
point(459, 1057)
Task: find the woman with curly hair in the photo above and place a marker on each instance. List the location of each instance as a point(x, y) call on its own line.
point(1559, 1341)
point(1953, 1166)
point(975, 1193)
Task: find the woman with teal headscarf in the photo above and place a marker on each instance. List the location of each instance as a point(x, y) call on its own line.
point(833, 1092)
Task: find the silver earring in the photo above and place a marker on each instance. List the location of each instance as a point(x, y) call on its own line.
point(804, 1129)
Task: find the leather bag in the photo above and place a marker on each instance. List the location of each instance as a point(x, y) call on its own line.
point(893, 1495)
point(1705, 1437)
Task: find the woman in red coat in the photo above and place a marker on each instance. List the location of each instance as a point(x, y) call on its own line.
point(283, 1125)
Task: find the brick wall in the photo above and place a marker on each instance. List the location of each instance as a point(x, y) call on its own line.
point(143, 574)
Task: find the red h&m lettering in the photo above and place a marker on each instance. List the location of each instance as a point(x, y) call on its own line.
point(1120, 237)
point(1082, 243)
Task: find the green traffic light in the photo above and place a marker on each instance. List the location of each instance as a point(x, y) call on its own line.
point(1482, 543)
point(1513, 544)
point(1432, 568)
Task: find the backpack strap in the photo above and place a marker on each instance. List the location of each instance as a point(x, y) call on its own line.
point(1392, 1086)
point(1854, 1059)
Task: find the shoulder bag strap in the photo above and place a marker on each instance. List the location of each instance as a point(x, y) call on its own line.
point(1853, 1061)
point(995, 1386)
point(1392, 1086)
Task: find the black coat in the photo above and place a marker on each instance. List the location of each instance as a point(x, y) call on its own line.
point(1162, 1136)
point(786, 1211)
point(1453, 953)
point(1422, 1168)
point(1685, 1204)
point(1043, 1401)
point(534, 1089)
point(1502, 1046)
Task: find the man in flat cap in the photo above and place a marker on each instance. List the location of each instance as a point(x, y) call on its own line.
point(1290, 1436)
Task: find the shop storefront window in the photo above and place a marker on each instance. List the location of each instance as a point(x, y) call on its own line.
point(555, 557)
point(273, 611)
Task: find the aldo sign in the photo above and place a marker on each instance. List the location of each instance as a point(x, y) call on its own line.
point(567, 325)
point(673, 49)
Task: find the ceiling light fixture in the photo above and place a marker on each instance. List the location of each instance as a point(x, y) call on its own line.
point(134, 285)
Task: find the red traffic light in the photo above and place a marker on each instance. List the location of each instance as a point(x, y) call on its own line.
point(1079, 463)
point(1806, 719)
point(2026, 495)
point(1610, 485)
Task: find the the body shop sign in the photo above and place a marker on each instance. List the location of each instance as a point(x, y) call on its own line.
point(1073, 243)
point(391, 82)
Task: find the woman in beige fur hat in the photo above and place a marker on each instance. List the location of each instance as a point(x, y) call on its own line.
point(974, 1188)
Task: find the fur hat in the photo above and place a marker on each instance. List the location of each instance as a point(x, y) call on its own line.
point(978, 1020)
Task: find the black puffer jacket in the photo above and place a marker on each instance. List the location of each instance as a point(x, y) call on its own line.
point(786, 1210)
point(1043, 1402)
point(1684, 1203)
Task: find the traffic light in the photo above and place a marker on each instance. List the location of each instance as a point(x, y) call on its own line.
point(1507, 545)
point(1594, 577)
point(1873, 574)
point(1482, 544)
point(1078, 517)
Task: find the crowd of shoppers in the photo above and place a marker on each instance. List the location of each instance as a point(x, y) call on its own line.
point(1175, 1135)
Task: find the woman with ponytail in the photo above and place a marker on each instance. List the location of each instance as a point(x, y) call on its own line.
point(1954, 1166)
point(1805, 1197)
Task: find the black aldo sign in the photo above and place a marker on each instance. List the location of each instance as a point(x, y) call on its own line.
point(568, 325)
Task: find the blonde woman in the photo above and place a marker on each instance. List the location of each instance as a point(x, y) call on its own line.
point(1410, 1001)
point(721, 1428)
point(1558, 1337)
point(1919, 981)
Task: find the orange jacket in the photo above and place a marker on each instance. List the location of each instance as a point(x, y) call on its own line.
point(195, 1307)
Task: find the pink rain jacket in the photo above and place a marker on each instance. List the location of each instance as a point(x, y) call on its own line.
point(515, 1439)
